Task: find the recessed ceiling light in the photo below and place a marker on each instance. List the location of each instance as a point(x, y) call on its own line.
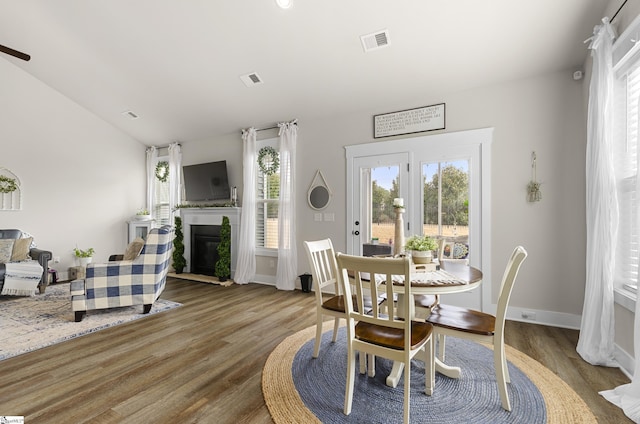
point(284, 4)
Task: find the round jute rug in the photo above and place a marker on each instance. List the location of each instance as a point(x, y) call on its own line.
point(562, 404)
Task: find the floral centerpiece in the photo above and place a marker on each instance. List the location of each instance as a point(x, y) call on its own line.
point(421, 248)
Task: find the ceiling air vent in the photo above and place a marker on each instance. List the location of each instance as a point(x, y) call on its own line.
point(130, 114)
point(251, 79)
point(375, 41)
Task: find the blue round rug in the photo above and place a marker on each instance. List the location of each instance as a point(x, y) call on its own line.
point(299, 388)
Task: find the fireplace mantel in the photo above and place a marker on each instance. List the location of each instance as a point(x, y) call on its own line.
point(210, 216)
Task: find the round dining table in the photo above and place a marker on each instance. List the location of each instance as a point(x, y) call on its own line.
point(454, 276)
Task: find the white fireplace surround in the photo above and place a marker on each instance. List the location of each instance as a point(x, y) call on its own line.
point(210, 216)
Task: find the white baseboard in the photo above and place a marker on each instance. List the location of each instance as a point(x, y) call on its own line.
point(537, 316)
point(626, 361)
point(269, 280)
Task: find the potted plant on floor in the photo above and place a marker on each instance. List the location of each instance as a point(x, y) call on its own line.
point(84, 256)
point(421, 248)
point(179, 262)
point(223, 266)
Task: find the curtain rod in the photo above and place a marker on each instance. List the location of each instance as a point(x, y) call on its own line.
point(165, 146)
point(294, 122)
point(618, 11)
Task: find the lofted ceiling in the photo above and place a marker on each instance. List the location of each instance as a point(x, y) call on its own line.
point(177, 63)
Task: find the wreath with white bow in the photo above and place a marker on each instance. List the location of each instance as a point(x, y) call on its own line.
point(268, 160)
point(162, 171)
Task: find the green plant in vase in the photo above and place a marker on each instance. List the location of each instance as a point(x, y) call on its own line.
point(223, 266)
point(421, 248)
point(179, 262)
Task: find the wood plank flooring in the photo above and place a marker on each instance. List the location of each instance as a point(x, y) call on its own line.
point(202, 362)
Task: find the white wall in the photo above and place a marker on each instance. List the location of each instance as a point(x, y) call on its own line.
point(81, 178)
point(543, 113)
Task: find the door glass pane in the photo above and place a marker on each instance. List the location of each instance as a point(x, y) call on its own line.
point(446, 198)
point(384, 188)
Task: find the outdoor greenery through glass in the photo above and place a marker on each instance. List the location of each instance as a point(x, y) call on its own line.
point(445, 201)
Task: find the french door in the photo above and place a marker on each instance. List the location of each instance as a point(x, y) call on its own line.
point(441, 184)
point(378, 180)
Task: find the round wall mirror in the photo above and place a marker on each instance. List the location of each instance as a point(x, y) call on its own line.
point(319, 193)
point(319, 197)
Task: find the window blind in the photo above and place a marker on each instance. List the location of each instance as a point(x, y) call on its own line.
point(626, 103)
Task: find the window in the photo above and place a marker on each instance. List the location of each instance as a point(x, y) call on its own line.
point(446, 198)
point(162, 208)
point(267, 203)
point(625, 156)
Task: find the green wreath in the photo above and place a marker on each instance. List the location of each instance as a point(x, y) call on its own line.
point(162, 171)
point(7, 185)
point(268, 160)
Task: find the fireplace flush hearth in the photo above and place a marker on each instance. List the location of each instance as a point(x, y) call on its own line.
point(204, 217)
point(204, 248)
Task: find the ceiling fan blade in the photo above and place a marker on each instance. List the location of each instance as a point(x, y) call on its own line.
point(14, 53)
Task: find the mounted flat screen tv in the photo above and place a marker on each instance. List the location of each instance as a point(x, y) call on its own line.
point(206, 181)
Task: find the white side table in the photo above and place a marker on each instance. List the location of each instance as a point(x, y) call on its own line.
point(139, 228)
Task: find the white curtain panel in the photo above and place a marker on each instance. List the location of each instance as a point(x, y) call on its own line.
point(175, 178)
point(287, 252)
point(152, 156)
point(246, 266)
point(596, 342)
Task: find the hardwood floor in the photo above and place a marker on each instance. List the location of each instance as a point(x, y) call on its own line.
point(202, 362)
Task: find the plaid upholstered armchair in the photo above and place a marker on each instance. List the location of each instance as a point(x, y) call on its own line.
point(129, 282)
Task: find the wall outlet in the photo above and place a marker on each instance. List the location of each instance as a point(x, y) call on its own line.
point(530, 315)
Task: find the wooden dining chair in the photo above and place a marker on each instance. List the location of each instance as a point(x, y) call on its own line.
point(322, 260)
point(376, 334)
point(481, 327)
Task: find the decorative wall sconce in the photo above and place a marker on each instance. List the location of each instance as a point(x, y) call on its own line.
point(533, 188)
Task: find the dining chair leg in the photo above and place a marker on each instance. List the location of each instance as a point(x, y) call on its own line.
point(336, 324)
point(429, 368)
point(351, 368)
point(371, 365)
point(499, 362)
point(407, 388)
point(441, 346)
point(316, 345)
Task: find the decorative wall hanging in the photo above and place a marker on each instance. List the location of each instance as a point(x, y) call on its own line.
point(427, 118)
point(533, 188)
point(10, 192)
point(268, 160)
point(319, 193)
point(162, 171)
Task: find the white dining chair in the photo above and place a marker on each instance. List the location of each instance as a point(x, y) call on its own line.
point(481, 327)
point(386, 335)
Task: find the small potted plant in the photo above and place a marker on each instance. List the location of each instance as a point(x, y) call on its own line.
point(84, 256)
point(143, 215)
point(421, 248)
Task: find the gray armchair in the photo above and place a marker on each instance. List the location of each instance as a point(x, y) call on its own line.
point(42, 256)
